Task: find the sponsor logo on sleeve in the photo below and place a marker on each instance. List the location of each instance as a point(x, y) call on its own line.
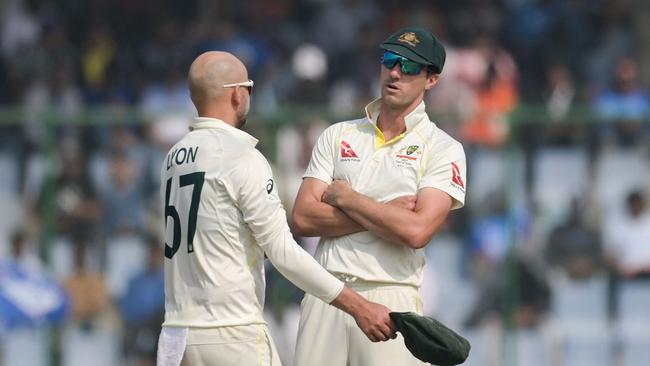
point(456, 177)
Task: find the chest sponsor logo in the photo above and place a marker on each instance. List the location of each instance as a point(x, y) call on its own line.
point(347, 153)
point(456, 177)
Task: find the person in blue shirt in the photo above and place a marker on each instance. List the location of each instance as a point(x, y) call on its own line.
point(143, 308)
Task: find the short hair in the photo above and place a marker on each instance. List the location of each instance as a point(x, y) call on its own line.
point(431, 70)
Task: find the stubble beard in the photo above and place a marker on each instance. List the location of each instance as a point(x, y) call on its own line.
point(395, 102)
point(241, 120)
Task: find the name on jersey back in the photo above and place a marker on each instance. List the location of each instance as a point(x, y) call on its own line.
point(181, 155)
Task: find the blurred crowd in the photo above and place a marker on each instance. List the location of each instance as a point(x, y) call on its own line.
point(500, 52)
point(547, 96)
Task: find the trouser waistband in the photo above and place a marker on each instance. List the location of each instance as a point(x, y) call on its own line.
point(357, 283)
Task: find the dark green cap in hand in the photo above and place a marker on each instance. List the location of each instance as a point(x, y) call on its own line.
point(429, 340)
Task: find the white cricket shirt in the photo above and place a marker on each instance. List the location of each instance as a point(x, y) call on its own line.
point(355, 151)
point(627, 239)
point(222, 214)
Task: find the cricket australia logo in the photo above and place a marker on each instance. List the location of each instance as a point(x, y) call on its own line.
point(409, 153)
point(406, 156)
point(411, 149)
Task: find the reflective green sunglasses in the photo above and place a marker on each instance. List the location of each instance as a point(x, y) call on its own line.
point(406, 66)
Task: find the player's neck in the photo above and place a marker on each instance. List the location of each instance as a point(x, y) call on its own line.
point(390, 126)
point(392, 121)
point(220, 114)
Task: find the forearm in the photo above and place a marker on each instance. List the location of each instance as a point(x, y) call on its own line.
point(299, 267)
point(391, 223)
point(350, 302)
point(317, 218)
point(372, 318)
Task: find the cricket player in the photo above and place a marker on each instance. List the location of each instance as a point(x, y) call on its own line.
point(358, 171)
point(222, 215)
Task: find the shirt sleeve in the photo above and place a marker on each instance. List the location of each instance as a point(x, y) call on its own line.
point(446, 171)
point(257, 197)
point(321, 164)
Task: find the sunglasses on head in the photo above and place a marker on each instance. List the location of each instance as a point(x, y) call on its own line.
point(246, 84)
point(406, 66)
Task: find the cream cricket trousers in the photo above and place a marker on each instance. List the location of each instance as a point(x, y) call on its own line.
point(246, 345)
point(328, 336)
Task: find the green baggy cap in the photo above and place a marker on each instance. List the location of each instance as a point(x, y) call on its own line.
point(417, 44)
point(429, 340)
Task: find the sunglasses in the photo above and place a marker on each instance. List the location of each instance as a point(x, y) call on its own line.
point(406, 66)
point(246, 84)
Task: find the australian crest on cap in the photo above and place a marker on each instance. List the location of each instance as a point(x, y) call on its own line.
point(409, 38)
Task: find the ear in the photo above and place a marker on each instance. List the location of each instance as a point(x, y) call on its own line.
point(236, 98)
point(431, 81)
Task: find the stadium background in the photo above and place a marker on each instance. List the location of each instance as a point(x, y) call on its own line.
point(547, 264)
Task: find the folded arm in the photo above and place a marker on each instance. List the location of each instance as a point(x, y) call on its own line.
point(412, 228)
point(311, 217)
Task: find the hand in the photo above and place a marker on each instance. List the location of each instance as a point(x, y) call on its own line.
point(373, 319)
point(336, 191)
point(375, 322)
point(407, 202)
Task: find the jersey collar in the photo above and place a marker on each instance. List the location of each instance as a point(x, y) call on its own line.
point(205, 122)
point(416, 116)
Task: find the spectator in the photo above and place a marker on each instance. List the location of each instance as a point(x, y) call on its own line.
point(143, 308)
point(520, 292)
point(614, 39)
point(98, 55)
point(560, 96)
point(625, 100)
point(72, 200)
point(560, 91)
point(22, 254)
point(86, 290)
point(627, 239)
point(505, 265)
point(335, 24)
point(625, 103)
point(167, 107)
point(123, 199)
point(574, 248)
point(496, 96)
point(18, 26)
point(89, 337)
point(488, 232)
point(31, 303)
